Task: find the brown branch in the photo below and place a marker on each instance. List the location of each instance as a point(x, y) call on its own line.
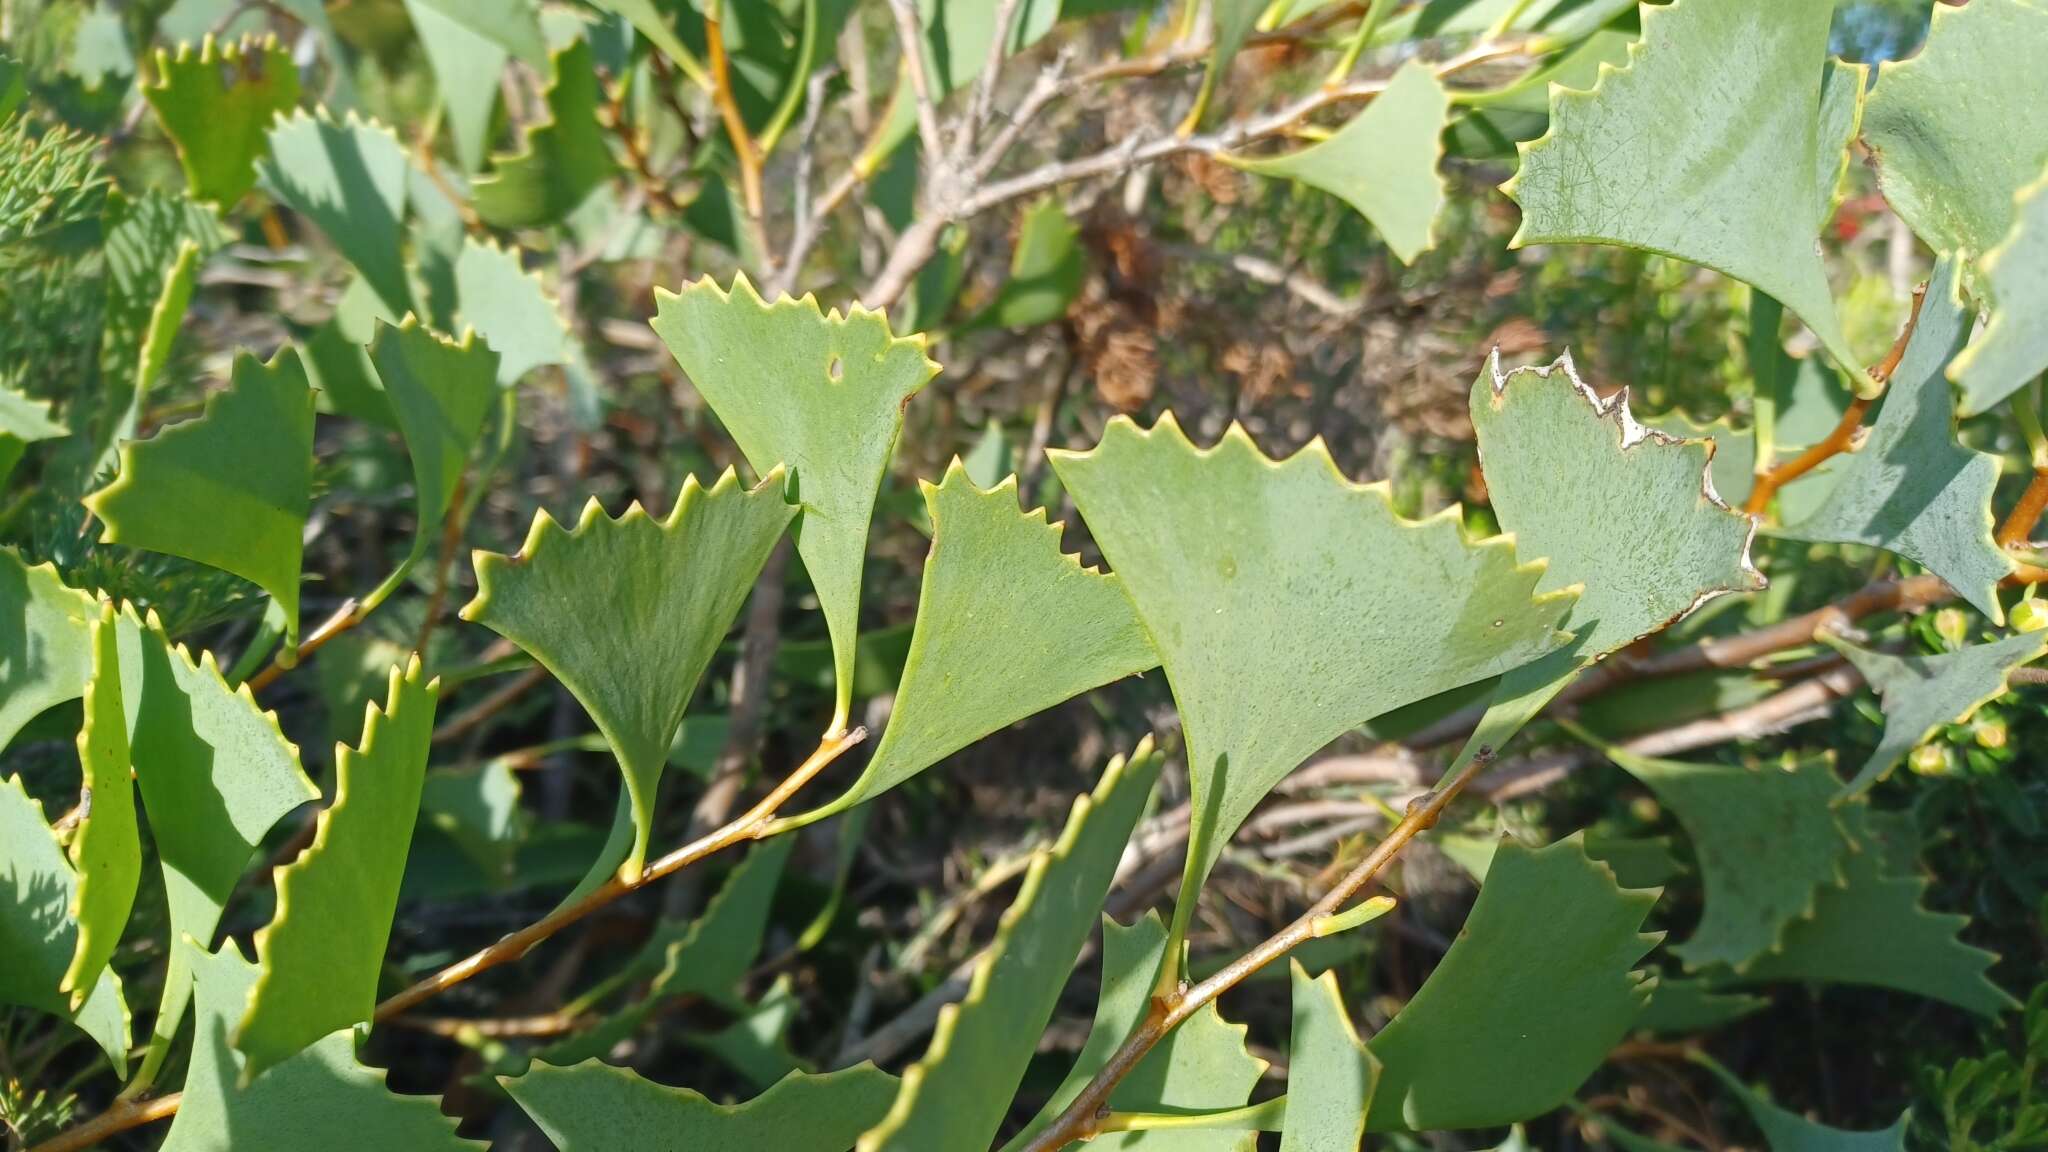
point(1843, 437)
point(743, 150)
point(120, 1118)
point(1082, 1118)
point(347, 616)
point(2019, 523)
point(748, 826)
point(1722, 652)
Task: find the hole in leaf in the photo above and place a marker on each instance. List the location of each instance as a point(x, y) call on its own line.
point(835, 368)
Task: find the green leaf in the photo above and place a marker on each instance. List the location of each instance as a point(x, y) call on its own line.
point(467, 63)
point(1909, 488)
point(106, 850)
point(1790, 1132)
point(564, 158)
point(756, 1044)
point(1200, 1066)
point(2014, 346)
point(1767, 842)
point(1621, 511)
point(1958, 128)
point(1873, 931)
point(216, 774)
point(349, 179)
point(320, 1100)
point(321, 953)
point(510, 308)
point(819, 393)
point(23, 421)
point(1533, 993)
point(217, 107)
point(1046, 270)
point(959, 34)
point(1680, 1006)
point(230, 489)
point(440, 392)
point(1290, 605)
point(1330, 1074)
point(1383, 161)
point(681, 580)
point(1708, 147)
point(45, 642)
point(1922, 694)
point(1007, 626)
point(37, 933)
point(709, 956)
point(477, 808)
point(957, 1095)
point(595, 1107)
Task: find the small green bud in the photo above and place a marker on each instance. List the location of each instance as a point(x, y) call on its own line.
point(1952, 626)
point(1931, 760)
point(1989, 733)
point(2030, 615)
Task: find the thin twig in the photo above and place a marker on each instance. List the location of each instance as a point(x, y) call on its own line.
point(910, 35)
point(444, 563)
point(747, 826)
point(120, 1118)
point(1843, 437)
point(1082, 1117)
point(467, 720)
point(347, 616)
point(744, 153)
point(980, 107)
point(2019, 523)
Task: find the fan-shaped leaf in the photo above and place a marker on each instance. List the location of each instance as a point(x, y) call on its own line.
point(229, 489)
point(1330, 1074)
point(819, 393)
point(1290, 605)
point(1708, 147)
point(215, 773)
point(1624, 512)
point(564, 158)
point(217, 106)
point(1909, 488)
point(511, 310)
point(440, 391)
point(321, 954)
point(1526, 1004)
point(349, 178)
point(1767, 842)
point(680, 580)
point(1383, 161)
point(1007, 626)
point(107, 848)
point(956, 1096)
point(320, 1100)
point(37, 934)
point(1921, 694)
point(595, 1107)
point(1960, 126)
point(2014, 347)
point(45, 642)
point(1873, 931)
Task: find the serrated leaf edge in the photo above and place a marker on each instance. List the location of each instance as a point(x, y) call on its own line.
point(212, 50)
point(1633, 435)
point(984, 967)
point(375, 718)
point(855, 312)
point(1236, 439)
point(127, 1018)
